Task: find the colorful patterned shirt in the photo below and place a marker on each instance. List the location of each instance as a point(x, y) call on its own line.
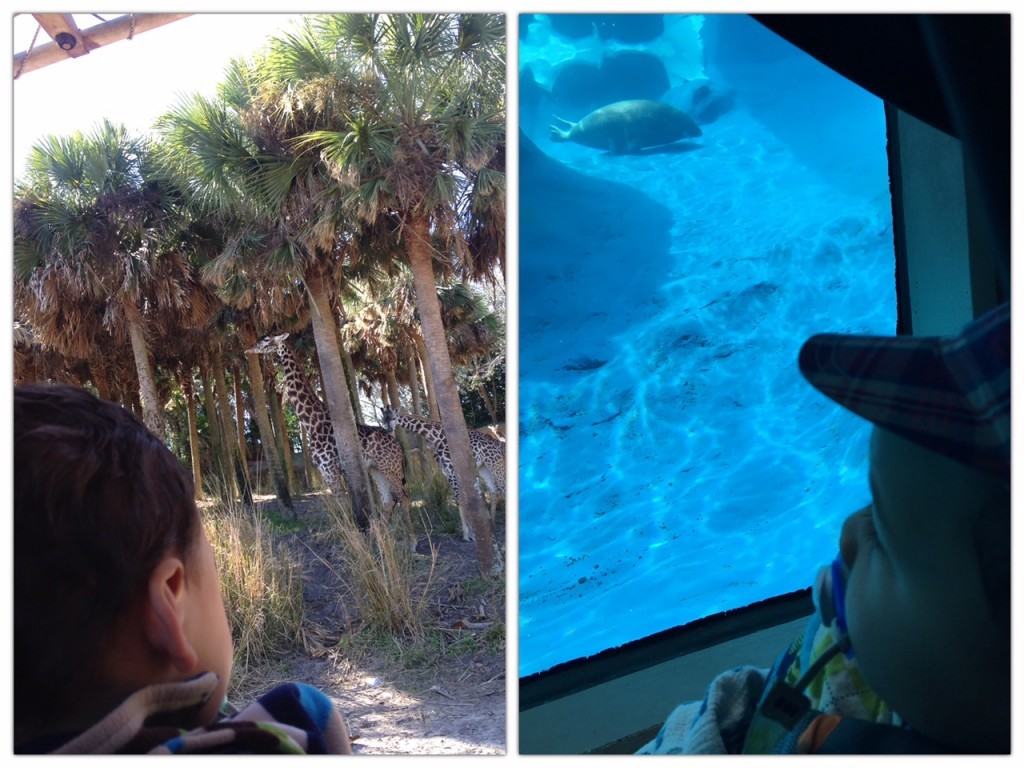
point(292, 718)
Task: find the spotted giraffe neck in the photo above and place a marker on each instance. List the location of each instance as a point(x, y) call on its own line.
point(298, 391)
point(428, 429)
point(382, 453)
point(312, 414)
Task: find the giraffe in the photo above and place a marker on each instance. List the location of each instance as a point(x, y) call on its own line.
point(382, 452)
point(488, 454)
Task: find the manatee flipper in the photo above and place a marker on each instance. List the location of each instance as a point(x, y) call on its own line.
point(557, 134)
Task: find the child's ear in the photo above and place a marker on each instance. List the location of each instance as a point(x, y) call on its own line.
point(164, 614)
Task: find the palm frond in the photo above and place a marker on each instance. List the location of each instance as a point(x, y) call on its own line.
point(240, 85)
point(205, 147)
point(297, 56)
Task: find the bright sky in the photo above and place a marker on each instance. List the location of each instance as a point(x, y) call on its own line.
point(130, 81)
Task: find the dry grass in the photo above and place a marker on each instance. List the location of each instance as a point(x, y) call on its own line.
point(262, 588)
point(383, 568)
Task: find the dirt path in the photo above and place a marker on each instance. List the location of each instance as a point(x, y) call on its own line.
point(444, 695)
point(447, 717)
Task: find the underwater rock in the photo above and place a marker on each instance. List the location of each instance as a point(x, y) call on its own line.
point(628, 126)
point(584, 364)
point(689, 340)
point(536, 423)
point(847, 226)
point(610, 418)
point(626, 28)
point(631, 27)
point(828, 253)
point(593, 226)
point(574, 26)
point(706, 101)
point(759, 290)
point(531, 93)
point(525, 21)
point(811, 116)
point(579, 88)
point(724, 352)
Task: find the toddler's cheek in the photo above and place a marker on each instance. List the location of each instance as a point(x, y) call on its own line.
point(852, 534)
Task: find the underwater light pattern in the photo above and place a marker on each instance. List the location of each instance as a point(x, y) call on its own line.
point(673, 463)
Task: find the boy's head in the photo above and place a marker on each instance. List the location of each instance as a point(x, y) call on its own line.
point(115, 585)
point(927, 592)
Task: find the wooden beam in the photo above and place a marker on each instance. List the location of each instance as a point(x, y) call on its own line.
point(121, 28)
point(55, 24)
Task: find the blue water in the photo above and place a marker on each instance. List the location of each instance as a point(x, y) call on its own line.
point(673, 462)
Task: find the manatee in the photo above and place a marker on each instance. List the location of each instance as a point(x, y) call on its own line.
point(628, 126)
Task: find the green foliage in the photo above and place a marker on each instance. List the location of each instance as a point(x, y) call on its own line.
point(477, 586)
point(426, 651)
point(433, 498)
point(417, 103)
point(176, 422)
point(473, 406)
point(279, 523)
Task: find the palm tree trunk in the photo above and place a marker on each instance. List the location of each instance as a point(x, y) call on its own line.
point(242, 455)
point(419, 465)
point(452, 420)
point(284, 440)
point(100, 379)
point(339, 403)
point(349, 366)
point(224, 410)
point(428, 379)
point(391, 380)
point(262, 413)
point(236, 380)
point(216, 434)
point(353, 383)
point(152, 416)
point(193, 431)
point(414, 384)
point(418, 468)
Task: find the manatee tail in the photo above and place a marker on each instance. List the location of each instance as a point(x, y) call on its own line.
point(557, 134)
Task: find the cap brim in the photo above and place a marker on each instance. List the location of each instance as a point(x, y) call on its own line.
point(950, 394)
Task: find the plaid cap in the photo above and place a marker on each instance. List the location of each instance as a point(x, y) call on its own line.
point(947, 393)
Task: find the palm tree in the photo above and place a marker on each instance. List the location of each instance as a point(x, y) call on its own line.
point(418, 143)
point(475, 339)
point(37, 362)
point(88, 227)
point(67, 325)
point(284, 219)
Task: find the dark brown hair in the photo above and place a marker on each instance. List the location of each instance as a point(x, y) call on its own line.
point(98, 500)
